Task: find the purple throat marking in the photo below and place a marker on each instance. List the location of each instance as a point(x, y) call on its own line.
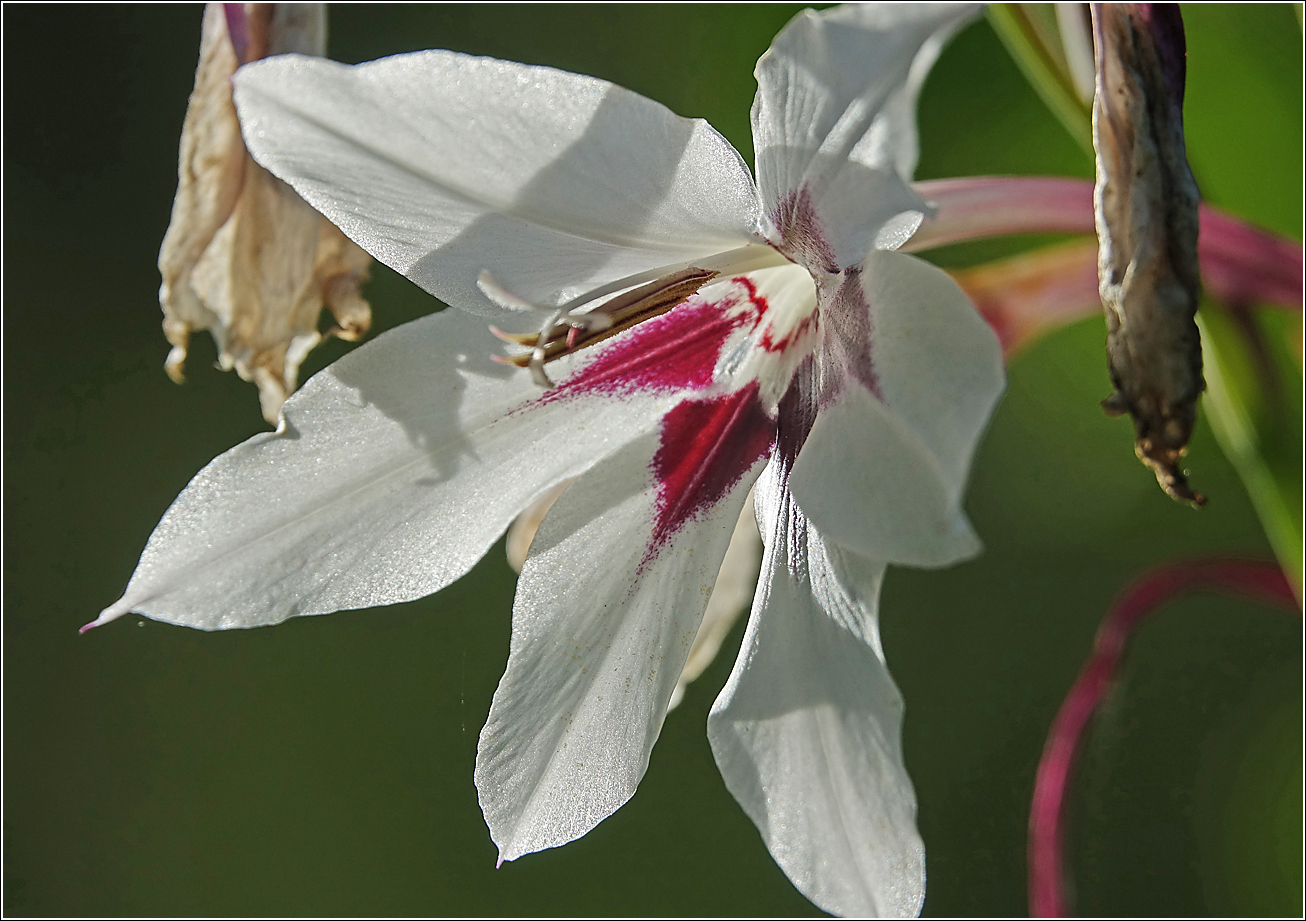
point(801, 236)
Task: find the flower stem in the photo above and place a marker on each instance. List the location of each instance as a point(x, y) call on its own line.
point(1240, 264)
point(1244, 578)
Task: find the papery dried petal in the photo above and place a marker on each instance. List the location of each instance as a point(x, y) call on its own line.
point(210, 177)
point(244, 256)
point(1146, 206)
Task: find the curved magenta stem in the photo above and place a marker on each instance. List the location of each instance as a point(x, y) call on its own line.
point(1241, 264)
point(1243, 578)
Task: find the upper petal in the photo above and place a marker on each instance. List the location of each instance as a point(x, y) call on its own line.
point(392, 473)
point(910, 374)
point(807, 732)
point(834, 120)
point(442, 165)
point(609, 602)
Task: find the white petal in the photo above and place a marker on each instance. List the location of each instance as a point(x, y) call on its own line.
point(731, 595)
point(392, 473)
point(807, 732)
point(442, 165)
point(846, 79)
point(883, 470)
point(606, 611)
point(834, 120)
point(517, 542)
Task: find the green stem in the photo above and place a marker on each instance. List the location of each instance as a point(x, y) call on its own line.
point(1045, 71)
point(1253, 399)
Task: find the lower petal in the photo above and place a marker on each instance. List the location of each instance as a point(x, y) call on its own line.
point(732, 594)
point(607, 609)
point(392, 473)
point(883, 469)
point(807, 733)
point(872, 486)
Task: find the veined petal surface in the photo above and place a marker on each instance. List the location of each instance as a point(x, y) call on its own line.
point(807, 732)
point(392, 473)
point(608, 605)
point(834, 119)
point(883, 469)
point(442, 164)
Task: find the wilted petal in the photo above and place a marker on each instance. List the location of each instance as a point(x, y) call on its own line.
point(212, 172)
point(807, 732)
point(442, 165)
point(607, 608)
point(833, 123)
point(254, 278)
point(394, 470)
point(883, 469)
point(244, 257)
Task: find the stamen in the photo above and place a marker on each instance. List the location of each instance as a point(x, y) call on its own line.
point(501, 295)
point(615, 316)
point(567, 328)
point(523, 339)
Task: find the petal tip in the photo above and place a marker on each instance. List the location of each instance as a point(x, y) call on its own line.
point(113, 612)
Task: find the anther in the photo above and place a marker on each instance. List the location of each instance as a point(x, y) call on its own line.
point(565, 331)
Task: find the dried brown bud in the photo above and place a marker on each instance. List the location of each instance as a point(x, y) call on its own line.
point(1146, 205)
point(244, 256)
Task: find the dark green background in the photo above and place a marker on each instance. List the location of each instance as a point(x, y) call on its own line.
point(325, 765)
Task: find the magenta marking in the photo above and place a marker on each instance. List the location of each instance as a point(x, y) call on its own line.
point(755, 300)
point(676, 351)
point(760, 307)
point(795, 416)
point(707, 446)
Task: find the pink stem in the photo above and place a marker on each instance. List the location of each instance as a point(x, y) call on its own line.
point(973, 208)
point(1241, 264)
point(1245, 578)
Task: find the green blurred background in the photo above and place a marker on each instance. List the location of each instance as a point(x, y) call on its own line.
point(325, 765)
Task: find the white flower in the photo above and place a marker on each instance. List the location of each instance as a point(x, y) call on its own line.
point(705, 333)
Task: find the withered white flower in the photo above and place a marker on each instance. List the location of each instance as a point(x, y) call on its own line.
point(706, 333)
point(245, 257)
